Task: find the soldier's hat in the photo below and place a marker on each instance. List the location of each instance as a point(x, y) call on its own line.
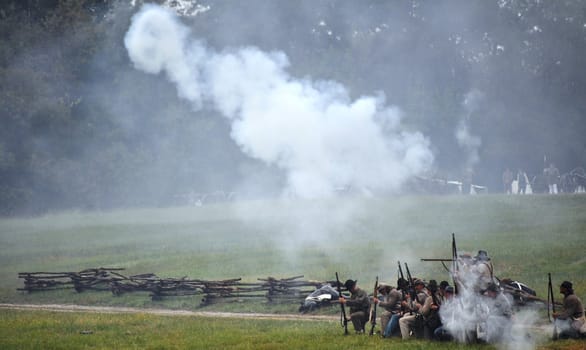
point(432, 284)
point(567, 285)
point(418, 281)
point(449, 289)
point(349, 284)
point(383, 286)
point(482, 255)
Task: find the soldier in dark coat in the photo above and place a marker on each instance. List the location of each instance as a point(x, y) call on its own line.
point(570, 321)
point(359, 304)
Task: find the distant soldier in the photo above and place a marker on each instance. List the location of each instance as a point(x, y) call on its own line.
point(552, 175)
point(522, 181)
point(359, 304)
point(571, 320)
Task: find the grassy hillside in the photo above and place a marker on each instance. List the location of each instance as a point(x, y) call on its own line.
point(526, 237)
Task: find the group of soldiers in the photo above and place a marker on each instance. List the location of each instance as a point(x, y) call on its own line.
point(428, 310)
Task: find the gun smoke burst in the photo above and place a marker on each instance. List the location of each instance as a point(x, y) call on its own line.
point(312, 130)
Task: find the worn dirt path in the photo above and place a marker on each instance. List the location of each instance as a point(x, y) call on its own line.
point(163, 312)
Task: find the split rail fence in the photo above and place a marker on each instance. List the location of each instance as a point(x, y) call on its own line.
point(292, 289)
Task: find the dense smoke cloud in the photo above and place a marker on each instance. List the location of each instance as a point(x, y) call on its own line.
point(313, 130)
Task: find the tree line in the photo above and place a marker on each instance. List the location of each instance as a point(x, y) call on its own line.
point(80, 127)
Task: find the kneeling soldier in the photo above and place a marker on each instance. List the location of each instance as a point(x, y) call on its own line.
point(359, 304)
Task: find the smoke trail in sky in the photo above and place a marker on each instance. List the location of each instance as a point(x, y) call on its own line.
point(313, 130)
point(469, 142)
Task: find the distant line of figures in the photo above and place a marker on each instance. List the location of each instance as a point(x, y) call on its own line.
point(549, 182)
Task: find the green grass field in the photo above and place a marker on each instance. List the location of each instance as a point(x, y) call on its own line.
point(526, 237)
point(50, 330)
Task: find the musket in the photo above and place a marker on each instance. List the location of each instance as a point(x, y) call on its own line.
point(402, 278)
point(343, 319)
point(454, 263)
point(401, 287)
point(521, 294)
point(550, 298)
point(373, 310)
point(441, 260)
point(400, 271)
point(412, 293)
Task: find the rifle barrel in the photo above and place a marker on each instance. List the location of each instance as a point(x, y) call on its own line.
point(438, 259)
point(550, 297)
point(373, 315)
point(345, 321)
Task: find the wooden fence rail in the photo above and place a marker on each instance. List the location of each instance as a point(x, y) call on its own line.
point(292, 289)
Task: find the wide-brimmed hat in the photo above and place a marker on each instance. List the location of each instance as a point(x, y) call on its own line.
point(567, 285)
point(482, 255)
point(418, 281)
point(349, 284)
point(384, 286)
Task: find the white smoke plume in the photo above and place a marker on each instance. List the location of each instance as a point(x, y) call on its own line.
point(473, 315)
point(469, 142)
point(312, 130)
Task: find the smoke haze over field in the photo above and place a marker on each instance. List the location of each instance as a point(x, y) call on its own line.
point(313, 130)
point(338, 104)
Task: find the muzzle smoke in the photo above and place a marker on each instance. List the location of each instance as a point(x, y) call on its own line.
point(474, 315)
point(312, 130)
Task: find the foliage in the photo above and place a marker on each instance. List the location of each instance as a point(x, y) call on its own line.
point(81, 128)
